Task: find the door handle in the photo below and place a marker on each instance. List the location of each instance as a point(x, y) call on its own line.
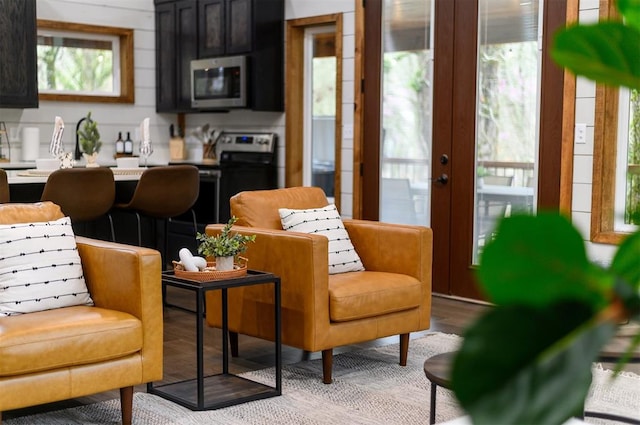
point(443, 179)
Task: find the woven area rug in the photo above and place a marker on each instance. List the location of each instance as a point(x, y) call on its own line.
point(369, 388)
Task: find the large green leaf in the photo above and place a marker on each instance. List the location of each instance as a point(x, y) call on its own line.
point(528, 365)
point(630, 9)
point(626, 267)
point(626, 262)
point(537, 260)
point(606, 52)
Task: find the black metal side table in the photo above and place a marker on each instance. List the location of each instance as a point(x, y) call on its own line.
point(223, 389)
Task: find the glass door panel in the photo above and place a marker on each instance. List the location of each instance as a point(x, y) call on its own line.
point(320, 100)
point(407, 81)
point(507, 113)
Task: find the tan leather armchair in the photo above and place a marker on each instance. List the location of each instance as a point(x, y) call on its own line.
point(322, 311)
point(76, 351)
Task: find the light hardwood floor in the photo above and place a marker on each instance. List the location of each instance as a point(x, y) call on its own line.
point(448, 315)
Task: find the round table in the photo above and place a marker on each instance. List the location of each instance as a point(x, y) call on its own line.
point(438, 369)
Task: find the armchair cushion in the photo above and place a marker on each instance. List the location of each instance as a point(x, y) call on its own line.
point(325, 221)
point(383, 293)
point(40, 268)
point(66, 337)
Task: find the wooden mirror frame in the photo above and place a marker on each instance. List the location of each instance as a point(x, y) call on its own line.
point(126, 62)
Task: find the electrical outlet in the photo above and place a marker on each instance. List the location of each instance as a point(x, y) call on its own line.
point(580, 135)
point(347, 131)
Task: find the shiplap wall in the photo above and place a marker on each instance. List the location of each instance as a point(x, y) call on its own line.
point(583, 153)
point(111, 118)
point(139, 15)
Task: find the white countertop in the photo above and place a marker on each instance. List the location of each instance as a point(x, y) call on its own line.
point(41, 176)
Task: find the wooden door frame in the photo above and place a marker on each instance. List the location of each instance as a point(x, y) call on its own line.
point(294, 99)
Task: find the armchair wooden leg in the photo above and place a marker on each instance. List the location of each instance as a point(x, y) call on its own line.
point(126, 404)
point(233, 343)
point(404, 349)
point(327, 365)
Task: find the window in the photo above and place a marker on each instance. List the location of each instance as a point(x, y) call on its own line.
point(89, 63)
point(616, 169)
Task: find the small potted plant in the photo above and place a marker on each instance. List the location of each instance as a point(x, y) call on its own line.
point(225, 246)
point(89, 139)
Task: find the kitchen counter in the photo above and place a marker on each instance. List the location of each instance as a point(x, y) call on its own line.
point(22, 176)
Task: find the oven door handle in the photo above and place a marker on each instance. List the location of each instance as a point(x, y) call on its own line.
point(209, 174)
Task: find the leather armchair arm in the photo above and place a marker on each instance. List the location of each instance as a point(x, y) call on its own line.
point(128, 278)
point(301, 261)
point(393, 248)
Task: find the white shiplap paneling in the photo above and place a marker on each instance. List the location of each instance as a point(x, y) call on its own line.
point(135, 14)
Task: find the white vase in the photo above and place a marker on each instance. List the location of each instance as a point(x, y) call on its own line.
point(92, 160)
point(224, 263)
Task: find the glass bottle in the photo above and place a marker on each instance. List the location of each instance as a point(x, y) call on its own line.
point(128, 145)
point(119, 143)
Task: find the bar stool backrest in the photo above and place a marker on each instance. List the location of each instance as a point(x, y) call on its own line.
point(165, 192)
point(4, 187)
point(84, 194)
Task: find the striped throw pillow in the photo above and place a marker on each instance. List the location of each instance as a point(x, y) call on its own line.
point(40, 268)
point(325, 221)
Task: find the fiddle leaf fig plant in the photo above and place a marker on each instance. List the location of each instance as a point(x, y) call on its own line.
point(529, 358)
point(224, 244)
point(554, 311)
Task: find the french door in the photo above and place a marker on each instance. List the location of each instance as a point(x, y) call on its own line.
point(482, 108)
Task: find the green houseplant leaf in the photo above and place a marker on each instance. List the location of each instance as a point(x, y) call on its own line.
point(630, 9)
point(539, 260)
point(528, 365)
point(224, 244)
point(528, 359)
point(627, 259)
point(606, 52)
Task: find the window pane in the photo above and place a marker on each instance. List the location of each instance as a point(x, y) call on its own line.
point(76, 64)
point(507, 113)
point(324, 124)
point(407, 92)
point(627, 193)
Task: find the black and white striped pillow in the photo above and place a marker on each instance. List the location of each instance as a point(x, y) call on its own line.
point(325, 221)
point(40, 268)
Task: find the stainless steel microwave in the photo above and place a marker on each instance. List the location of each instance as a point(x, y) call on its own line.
point(219, 82)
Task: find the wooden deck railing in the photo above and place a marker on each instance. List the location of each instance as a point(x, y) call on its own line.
point(419, 169)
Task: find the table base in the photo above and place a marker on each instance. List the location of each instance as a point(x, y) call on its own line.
point(222, 390)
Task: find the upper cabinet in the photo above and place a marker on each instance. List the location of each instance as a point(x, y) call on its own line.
point(196, 29)
point(224, 27)
point(211, 28)
point(18, 72)
point(176, 47)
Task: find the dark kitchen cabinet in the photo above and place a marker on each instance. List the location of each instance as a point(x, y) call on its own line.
point(176, 47)
point(211, 28)
point(266, 76)
point(239, 23)
point(18, 69)
point(196, 29)
point(224, 27)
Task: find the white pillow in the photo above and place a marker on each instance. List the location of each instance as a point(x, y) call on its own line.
point(325, 221)
point(40, 268)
